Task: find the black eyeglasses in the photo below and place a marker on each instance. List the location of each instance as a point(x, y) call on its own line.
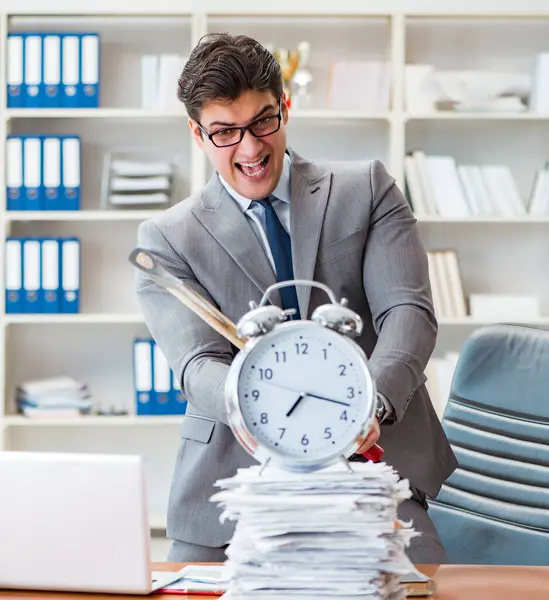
point(230, 136)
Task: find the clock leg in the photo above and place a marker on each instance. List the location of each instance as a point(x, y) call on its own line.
point(346, 463)
point(264, 465)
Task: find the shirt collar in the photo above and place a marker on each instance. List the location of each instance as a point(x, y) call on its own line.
point(282, 190)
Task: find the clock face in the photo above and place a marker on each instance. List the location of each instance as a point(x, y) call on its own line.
point(305, 393)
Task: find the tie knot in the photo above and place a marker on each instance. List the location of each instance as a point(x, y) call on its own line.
point(266, 202)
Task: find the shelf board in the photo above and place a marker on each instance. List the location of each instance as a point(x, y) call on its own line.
point(142, 113)
point(327, 113)
point(92, 113)
point(488, 220)
point(477, 322)
point(80, 215)
point(476, 116)
point(92, 421)
point(336, 114)
point(74, 319)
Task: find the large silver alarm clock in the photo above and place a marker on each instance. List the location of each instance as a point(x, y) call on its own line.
point(299, 394)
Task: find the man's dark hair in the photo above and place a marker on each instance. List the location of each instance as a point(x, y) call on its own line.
point(222, 66)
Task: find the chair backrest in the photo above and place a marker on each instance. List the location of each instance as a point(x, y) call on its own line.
point(494, 509)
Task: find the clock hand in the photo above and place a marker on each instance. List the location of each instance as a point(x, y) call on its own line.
point(294, 405)
point(328, 399)
point(284, 387)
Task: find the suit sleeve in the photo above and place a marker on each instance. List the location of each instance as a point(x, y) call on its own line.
point(396, 282)
point(197, 354)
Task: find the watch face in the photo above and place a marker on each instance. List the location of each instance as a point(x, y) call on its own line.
point(305, 394)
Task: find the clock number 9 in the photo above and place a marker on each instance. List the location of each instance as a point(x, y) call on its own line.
point(255, 394)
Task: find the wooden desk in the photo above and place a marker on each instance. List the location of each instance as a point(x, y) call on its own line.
point(454, 582)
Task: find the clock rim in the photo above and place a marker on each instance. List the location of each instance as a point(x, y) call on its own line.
point(260, 450)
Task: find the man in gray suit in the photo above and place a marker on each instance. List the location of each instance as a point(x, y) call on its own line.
point(350, 228)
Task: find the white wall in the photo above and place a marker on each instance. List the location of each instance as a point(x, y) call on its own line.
point(290, 6)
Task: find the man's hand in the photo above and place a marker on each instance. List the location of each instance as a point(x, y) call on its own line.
point(371, 438)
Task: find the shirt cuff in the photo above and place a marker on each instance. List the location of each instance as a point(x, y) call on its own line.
point(389, 415)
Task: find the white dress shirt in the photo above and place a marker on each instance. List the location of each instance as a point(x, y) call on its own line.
point(256, 215)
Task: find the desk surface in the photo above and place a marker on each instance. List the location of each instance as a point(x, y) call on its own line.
point(454, 582)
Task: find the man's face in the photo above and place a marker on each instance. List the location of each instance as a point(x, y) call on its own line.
point(252, 167)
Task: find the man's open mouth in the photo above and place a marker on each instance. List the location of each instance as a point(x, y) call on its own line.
point(254, 169)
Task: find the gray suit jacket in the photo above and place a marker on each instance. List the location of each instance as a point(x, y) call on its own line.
point(351, 229)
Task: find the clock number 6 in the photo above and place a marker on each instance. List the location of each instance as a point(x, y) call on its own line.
point(305, 440)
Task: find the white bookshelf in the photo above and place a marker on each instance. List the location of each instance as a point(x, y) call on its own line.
point(496, 254)
point(75, 319)
point(94, 421)
point(80, 215)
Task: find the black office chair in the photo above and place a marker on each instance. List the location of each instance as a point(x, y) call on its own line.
point(494, 509)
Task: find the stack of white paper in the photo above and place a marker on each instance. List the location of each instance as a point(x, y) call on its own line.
point(325, 533)
point(135, 182)
point(53, 397)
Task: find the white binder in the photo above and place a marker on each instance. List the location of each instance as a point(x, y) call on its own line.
point(71, 173)
point(33, 82)
point(70, 275)
point(31, 276)
point(143, 376)
point(51, 152)
point(14, 276)
point(70, 70)
point(162, 378)
point(14, 173)
point(50, 275)
point(89, 89)
point(52, 70)
point(14, 74)
point(32, 173)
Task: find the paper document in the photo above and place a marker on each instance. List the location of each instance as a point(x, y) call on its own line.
point(312, 535)
point(196, 579)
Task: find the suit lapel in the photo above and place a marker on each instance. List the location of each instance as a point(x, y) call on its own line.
point(227, 224)
point(310, 187)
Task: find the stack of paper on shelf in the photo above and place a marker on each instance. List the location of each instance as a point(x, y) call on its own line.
point(311, 535)
point(360, 85)
point(446, 284)
point(427, 89)
point(133, 182)
point(437, 185)
point(53, 397)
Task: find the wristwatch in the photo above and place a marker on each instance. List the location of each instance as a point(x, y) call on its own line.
point(381, 409)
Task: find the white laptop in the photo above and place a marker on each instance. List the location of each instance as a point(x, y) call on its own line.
point(75, 522)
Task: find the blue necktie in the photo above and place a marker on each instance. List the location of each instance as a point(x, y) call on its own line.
point(281, 249)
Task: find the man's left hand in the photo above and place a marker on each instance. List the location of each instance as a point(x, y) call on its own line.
point(371, 438)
